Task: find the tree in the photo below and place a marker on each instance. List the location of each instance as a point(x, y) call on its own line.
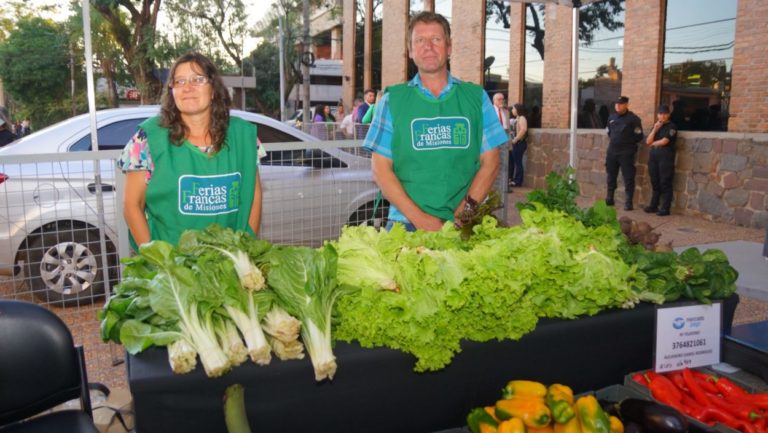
point(34, 67)
point(133, 24)
point(106, 51)
point(223, 22)
point(597, 15)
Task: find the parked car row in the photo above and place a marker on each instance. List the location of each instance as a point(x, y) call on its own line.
point(49, 214)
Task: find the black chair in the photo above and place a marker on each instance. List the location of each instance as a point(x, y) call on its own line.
point(40, 367)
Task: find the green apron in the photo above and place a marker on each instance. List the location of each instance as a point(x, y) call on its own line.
point(190, 189)
point(436, 144)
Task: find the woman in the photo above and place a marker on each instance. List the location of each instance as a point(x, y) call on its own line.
point(323, 114)
point(519, 145)
point(192, 165)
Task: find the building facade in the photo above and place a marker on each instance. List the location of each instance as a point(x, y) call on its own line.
point(708, 62)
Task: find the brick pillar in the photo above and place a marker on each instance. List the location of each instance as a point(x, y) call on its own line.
point(368, 46)
point(394, 53)
point(348, 54)
point(749, 111)
point(557, 67)
point(468, 35)
point(644, 24)
point(516, 52)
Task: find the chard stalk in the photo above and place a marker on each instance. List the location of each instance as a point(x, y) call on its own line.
point(182, 356)
point(318, 344)
point(249, 326)
point(250, 275)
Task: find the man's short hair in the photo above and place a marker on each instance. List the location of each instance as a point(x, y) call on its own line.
point(428, 17)
point(367, 91)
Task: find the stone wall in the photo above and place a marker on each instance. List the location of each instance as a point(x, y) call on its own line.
point(722, 177)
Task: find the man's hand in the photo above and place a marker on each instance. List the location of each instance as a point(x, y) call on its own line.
point(427, 222)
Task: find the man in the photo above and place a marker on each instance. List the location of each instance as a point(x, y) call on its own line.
point(435, 139)
point(369, 97)
point(501, 112)
point(661, 163)
point(625, 131)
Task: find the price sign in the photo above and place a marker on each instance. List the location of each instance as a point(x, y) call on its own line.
point(687, 336)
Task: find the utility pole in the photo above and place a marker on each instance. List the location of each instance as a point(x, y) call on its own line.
point(282, 67)
point(72, 79)
point(305, 68)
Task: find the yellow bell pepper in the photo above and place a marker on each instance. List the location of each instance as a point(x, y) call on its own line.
point(572, 426)
point(616, 425)
point(519, 388)
point(560, 402)
point(512, 425)
point(532, 410)
point(591, 416)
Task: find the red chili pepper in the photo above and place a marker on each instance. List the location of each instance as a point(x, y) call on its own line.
point(712, 414)
point(705, 381)
point(729, 389)
point(692, 408)
point(760, 425)
point(641, 378)
point(677, 379)
point(746, 426)
point(664, 390)
point(739, 410)
point(697, 393)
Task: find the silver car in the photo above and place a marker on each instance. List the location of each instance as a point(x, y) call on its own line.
point(49, 215)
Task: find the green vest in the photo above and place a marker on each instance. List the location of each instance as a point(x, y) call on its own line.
point(436, 144)
point(190, 189)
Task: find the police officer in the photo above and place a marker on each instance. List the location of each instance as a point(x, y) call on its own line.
point(625, 131)
point(661, 164)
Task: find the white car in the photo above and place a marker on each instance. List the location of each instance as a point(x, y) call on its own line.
point(49, 215)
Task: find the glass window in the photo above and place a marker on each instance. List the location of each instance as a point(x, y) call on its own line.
point(111, 137)
point(601, 53)
point(698, 59)
point(496, 65)
point(443, 7)
point(534, 62)
point(416, 6)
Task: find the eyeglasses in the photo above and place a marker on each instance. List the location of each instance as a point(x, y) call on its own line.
point(195, 80)
point(434, 40)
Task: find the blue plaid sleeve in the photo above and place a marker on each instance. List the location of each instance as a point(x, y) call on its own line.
point(493, 133)
point(379, 136)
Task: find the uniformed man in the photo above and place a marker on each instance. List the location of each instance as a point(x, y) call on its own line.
point(625, 131)
point(435, 139)
point(661, 164)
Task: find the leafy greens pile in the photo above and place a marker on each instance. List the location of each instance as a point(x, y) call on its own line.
point(494, 286)
point(207, 296)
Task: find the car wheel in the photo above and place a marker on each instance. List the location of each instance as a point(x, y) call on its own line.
point(64, 266)
point(365, 215)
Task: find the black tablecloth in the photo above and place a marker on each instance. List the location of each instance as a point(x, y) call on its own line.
point(376, 390)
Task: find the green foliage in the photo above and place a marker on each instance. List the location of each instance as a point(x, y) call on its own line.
point(494, 286)
point(34, 66)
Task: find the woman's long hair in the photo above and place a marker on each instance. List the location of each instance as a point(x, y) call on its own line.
point(521, 110)
point(170, 116)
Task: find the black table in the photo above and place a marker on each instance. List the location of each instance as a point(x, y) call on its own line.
point(376, 390)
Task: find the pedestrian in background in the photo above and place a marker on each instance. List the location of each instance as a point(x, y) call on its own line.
point(348, 122)
point(6, 135)
point(625, 131)
point(369, 97)
point(519, 145)
point(372, 110)
point(661, 163)
point(501, 111)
